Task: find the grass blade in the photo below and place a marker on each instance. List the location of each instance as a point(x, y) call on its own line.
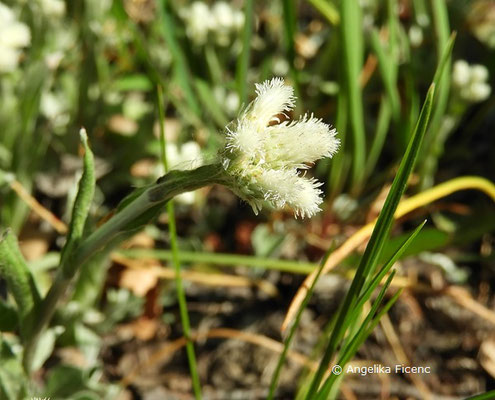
point(360, 337)
point(434, 141)
point(375, 281)
point(327, 9)
point(382, 125)
point(386, 65)
point(380, 233)
point(290, 24)
point(292, 331)
point(244, 59)
point(352, 48)
point(181, 69)
point(181, 295)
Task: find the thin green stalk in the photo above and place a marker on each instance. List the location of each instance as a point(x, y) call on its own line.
point(338, 173)
point(290, 26)
point(243, 62)
point(181, 66)
point(386, 65)
point(181, 296)
point(352, 48)
point(292, 332)
point(295, 267)
point(382, 125)
point(434, 139)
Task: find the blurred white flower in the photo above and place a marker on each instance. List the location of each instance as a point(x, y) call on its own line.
point(221, 20)
point(183, 157)
point(415, 35)
point(226, 20)
point(198, 21)
point(53, 106)
point(53, 8)
point(471, 81)
point(229, 100)
point(264, 155)
point(188, 156)
point(13, 36)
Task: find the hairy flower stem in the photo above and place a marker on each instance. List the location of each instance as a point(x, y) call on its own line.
point(137, 211)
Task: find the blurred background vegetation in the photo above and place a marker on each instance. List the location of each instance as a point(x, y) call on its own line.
point(363, 66)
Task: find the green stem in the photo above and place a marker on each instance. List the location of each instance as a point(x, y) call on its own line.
point(295, 267)
point(181, 295)
point(131, 218)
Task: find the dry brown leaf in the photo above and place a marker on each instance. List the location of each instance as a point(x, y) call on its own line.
point(139, 281)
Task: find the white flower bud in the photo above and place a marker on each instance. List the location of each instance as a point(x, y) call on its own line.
point(479, 73)
point(263, 158)
point(471, 81)
point(13, 36)
point(415, 36)
point(461, 73)
point(198, 21)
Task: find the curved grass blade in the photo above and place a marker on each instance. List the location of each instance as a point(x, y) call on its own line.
point(352, 48)
point(375, 281)
point(292, 331)
point(377, 241)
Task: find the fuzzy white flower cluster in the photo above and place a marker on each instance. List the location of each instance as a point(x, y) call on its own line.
point(14, 35)
point(264, 156)
point(471, 80)
point(221, 20)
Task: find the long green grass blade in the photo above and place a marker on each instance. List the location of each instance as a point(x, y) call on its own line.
point(181, 295)
point(380, 233)
point(382, 126)
point(434, 140)
point(359, 339)
point(292, 331)
point(243, 62)
point(387, 67)
point(294, 267)
point(352, 49)
point(375, 281)
point(181, 66)
point(338, 173)
point(290, 26)
point(210, 103)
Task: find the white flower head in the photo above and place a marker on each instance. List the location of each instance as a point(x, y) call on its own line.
point(198, 21)
point(13, 36)
point(264, 156)
point(471, 81)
